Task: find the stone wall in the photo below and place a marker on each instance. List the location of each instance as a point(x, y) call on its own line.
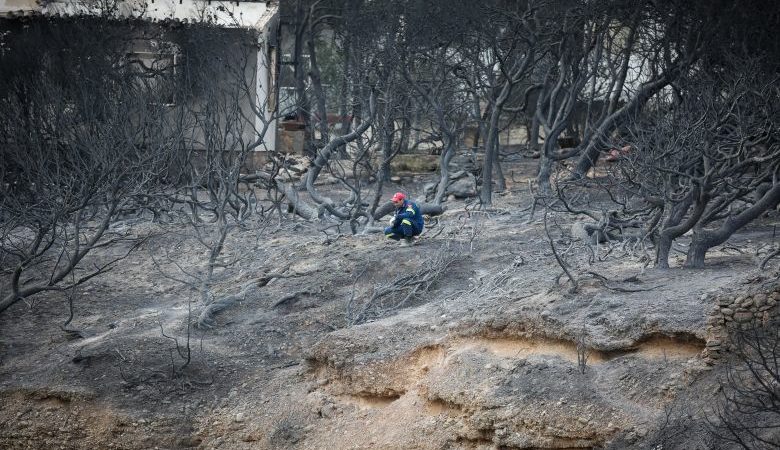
point(739, 310)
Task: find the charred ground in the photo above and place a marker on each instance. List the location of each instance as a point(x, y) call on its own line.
point(495, 350)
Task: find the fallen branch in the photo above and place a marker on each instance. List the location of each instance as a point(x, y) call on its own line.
point(606, 283)
point(769, 257)
point(206, 317)
point(294, 296)
point(398, 292)
point(557, 256)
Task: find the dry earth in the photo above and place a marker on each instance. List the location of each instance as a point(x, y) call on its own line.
point(487, 357)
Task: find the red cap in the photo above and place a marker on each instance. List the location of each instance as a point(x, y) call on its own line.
point(398, 196)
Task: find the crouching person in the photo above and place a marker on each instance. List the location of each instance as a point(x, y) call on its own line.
point(407, 221)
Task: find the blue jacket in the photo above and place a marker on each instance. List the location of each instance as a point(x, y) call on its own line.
point(409, 211)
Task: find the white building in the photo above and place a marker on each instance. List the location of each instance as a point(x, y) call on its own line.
point(260, 17)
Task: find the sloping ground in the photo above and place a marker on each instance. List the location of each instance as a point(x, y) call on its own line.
point(490, 355)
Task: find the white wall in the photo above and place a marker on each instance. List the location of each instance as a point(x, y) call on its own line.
point(227, 14)
point(15, 6)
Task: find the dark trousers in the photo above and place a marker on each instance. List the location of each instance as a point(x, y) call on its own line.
point(401, 230)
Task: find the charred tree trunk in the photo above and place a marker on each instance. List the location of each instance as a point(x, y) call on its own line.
point(303, 107)
point(677, 224)
point(491, 146)
point(704, 240)
point(444, 166)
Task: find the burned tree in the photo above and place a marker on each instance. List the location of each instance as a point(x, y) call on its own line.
point(85, 140)
point(708, 160)
point(222, 122)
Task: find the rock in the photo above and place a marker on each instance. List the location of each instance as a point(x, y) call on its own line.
point(328, 410)
point(727, 311)
point(724, 300)
point(747, 303)
point(239, 418)
point(395, 179)
point(190, 441)
point(759, 299)
point(464, 187)
point(743, 317)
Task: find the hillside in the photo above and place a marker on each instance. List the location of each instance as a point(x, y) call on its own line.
point(470, 339)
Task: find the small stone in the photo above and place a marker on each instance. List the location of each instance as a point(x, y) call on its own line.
point(190, 442)
point(747, 303)
point(743, 317)
point(727, 311)
point(239, 418)
point(714, 343)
